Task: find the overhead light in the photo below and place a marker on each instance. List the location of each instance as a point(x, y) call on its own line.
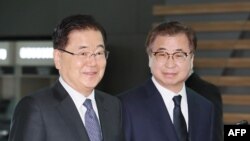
point(36, 52)
point(3, 54)
point(6, 53)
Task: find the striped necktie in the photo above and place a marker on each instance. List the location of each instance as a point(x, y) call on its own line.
point(91, 122)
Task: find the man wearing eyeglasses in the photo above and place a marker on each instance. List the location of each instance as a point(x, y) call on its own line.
point(163, 108)
point(72, 109)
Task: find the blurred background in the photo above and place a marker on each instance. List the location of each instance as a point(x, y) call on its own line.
point(223, 56)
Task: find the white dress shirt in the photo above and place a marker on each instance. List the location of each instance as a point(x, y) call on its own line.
point(79, 99)
point(167, 97)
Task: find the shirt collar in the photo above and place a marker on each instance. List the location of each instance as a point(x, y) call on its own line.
point(77, 97)
point(170, 94)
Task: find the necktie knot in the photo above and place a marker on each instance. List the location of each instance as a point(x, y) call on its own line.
point(177, 100)
point(87, 103)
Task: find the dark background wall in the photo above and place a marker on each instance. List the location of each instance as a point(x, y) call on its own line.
point(126, 21)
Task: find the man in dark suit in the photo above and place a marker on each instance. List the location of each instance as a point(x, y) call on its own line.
point(72, 110)
point(212, 93)
point(163, 109)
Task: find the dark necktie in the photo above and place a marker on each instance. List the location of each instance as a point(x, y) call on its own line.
point(91, 122)
point(179, 121)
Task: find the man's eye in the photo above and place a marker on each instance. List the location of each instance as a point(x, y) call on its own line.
point(179, 55)
point(84, 53)
point(160, 54)
point(100, 53)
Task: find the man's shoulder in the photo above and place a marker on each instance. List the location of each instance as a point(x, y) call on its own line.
point(40, 93)
point(39, 98)
point(45, 96)
point(138, 91)
point(46, 92)
point(106, 96)
point(199, 98)
point(133, 94)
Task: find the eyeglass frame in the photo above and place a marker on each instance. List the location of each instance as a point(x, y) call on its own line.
point(172, 54)
point(106, 53)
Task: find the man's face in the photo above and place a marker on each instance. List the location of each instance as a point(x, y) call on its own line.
point(82, 73)
point(171, 73)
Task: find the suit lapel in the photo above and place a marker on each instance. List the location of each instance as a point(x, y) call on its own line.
point(103, 115)
point(69, 113)
point(194, 118)
point(159, 113)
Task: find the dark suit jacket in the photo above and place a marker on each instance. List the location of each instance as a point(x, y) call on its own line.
point(51, 115)
point(212, 93)
point(146, 117)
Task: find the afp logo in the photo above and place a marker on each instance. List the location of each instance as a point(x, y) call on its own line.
point(237, 132)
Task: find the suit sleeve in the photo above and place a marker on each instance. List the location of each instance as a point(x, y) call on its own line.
point(27, 123)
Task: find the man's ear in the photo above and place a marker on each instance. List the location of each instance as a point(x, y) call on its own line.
point(192, 63)
point(57, 57)
point(149, 61)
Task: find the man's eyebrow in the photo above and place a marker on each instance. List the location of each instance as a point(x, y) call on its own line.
point(161, 49)
point(82, 47)
point(179, 50)
point(101, 45)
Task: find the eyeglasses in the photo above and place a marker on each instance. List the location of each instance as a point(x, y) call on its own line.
point(99, 55)
point(162, 56)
